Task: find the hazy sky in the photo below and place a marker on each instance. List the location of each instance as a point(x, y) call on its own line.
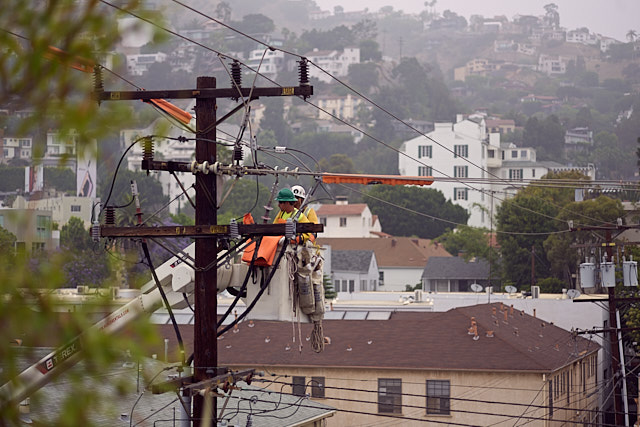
point(613, 18)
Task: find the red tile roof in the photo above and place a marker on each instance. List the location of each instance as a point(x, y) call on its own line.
point(408, 340)
point(390, 251)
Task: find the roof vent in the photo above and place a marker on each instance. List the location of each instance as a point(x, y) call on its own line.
point(342, 200)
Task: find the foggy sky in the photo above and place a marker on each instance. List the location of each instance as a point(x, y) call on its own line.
point(612, 18)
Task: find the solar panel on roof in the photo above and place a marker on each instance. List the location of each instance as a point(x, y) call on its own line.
point(333, 315)
point(355, 315)
point(379, 315)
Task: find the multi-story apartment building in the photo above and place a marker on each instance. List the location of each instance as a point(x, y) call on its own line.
point(466, 152)
point(334, 62)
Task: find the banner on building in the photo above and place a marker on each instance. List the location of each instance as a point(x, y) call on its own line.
point(86, 171)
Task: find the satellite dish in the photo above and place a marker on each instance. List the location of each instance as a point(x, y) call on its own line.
point(511, 289)
point(476, 287)
point(573, 293)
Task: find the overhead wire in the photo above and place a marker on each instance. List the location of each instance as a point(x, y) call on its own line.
point(338, 80)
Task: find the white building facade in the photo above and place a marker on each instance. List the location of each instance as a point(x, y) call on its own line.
point(334, 62)
point(464, 151)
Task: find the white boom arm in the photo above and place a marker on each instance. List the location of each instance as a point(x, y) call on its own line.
point(174, 276)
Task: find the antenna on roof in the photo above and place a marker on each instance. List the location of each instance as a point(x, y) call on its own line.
point(476, 287)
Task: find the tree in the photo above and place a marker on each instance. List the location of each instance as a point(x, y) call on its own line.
point(329, 291)
point(274, 120)
point(563, 258)
point(547, 136)
point(223, 11)
point(631, 35)
point(7, 242)
point(607, 155)
point(369, 51)
point(247, 195)
point(472, 242)
point(61, 179)
point(61, 98)
point(427, 214)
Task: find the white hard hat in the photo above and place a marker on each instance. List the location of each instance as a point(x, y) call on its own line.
point(298, 191)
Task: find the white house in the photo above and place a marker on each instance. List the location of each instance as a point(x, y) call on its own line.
point(344, 107)
point(16, 148)
point(334, 62)
point(464, 151)
point(137, 65)
point(267, 62)
point(354, 270)
point(348, 220)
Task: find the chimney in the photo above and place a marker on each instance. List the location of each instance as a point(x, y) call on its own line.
point(342, 200)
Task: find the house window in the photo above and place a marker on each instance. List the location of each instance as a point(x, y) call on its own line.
point(491, 154)
point(424, 151)
point(75, 208)
point(323, 220)
point(461, 171)
point(43, 227)
point(523, 154)
point(438, 394)
point(363, 285)
point(533, 173)
point(461, 193)
point(514, 154)
point(390, 395)
point(317, 387)
point(515, 174)
point(381, 278)
point(460, 151)
point(343, 222)
point(37, 247)
point(425, 171)
point(298, 386)
point(352, 286)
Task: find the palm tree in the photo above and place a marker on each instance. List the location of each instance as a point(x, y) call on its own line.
point(632, 35)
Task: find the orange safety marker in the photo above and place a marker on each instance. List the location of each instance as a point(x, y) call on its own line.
point(347, 178)
point(175, 112)
point(78, 63)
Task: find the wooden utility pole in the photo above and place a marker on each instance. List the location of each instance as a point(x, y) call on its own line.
point(205, 359)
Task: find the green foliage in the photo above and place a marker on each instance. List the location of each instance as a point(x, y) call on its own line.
point(552, 285)
point(329, 292)
point(61, 179)
point(473, 242)
point(274, 121)
point(545, 135)
point(11, 178)
point(7, 242)
point(427, 214)
point(247, 195)
point(151, 197)
point(85, 263)
point(182, 219)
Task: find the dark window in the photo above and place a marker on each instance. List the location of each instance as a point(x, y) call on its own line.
point(352, 286)
point(390, 395)
point(298, 386)
point(317, 387)
point(438, 394)
point(75, 208)
point(343, 222)
point(323, 221)
point(550, 399)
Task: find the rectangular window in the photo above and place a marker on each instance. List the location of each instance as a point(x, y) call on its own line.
point(514, 154)
point(336, 285)
point(323, 220)
point(523, 154)
point(461, 193)
point(424, 151)
point(37, 247)
point(461, 171)
point(43, 227)
point(533, 173)
point(352, 286)
point(298, 386)
point(75, 208)
point(317, 387)
point(390, 395)
point(343, 222)
point(438, 394)
point(425, 171)
point(515, 174)
point(381, 278)
point(491, 154)
point(460, 151)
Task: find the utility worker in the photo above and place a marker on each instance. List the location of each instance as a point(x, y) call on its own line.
point(286, 201)
point(301, 195)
